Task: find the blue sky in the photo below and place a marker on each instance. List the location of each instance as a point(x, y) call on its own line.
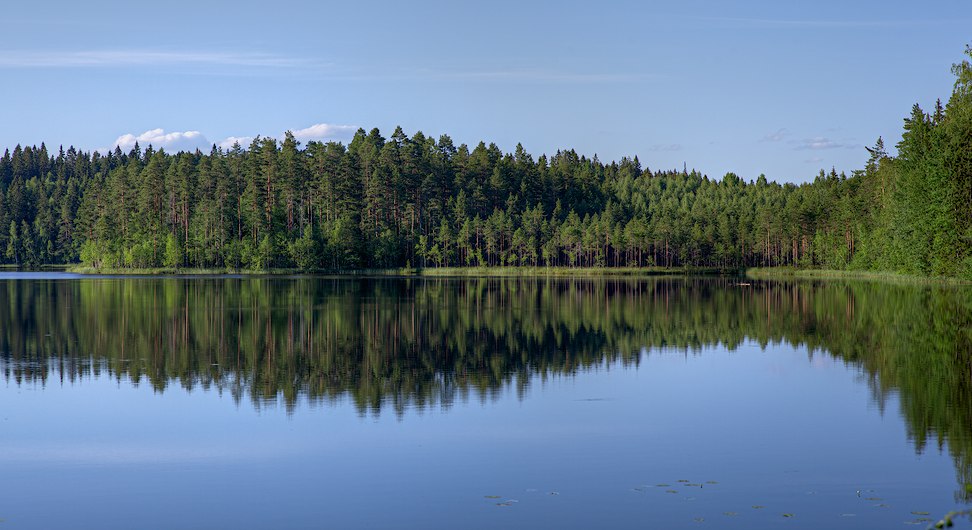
point(781, 88)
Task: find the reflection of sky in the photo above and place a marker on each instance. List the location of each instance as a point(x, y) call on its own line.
point(32, 275)
point(770, 427)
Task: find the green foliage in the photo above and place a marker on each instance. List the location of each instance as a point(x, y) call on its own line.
point(303, 251)
point(262, 258)
point(173, 252)
point(140, 256)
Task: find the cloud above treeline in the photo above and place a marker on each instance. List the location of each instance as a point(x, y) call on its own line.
point(159, 139)
point(192, 140)
point(231, 141)
point(325, 131)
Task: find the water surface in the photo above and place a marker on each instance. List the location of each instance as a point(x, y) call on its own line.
point(411, 402)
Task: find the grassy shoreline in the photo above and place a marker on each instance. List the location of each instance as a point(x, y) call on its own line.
point(431, 271)
point(779, 273)
point(756, 273)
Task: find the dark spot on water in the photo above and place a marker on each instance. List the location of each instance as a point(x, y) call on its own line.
point(920, 513)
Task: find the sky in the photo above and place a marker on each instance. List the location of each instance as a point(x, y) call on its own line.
point(774, 87)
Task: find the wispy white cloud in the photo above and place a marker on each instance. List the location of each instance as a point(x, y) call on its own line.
point(656, 148)
point(823, 24)
point(159, 139)
point(814, 160)
point(776, 136)
point(498, 75)
point(325, 131)
point(134, 58)
point(543, 76)
point(822, 142)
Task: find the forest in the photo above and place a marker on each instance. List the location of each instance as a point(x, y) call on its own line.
point(417, 201)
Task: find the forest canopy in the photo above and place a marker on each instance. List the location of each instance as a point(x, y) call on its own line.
point(420, 201)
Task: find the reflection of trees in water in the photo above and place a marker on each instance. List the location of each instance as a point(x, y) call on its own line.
point(421, 342)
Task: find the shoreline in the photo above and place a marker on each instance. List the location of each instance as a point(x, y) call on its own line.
point(754, 273)
point(791, 273)
point(424, 272)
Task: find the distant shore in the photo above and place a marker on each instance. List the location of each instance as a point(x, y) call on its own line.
point(779, 273)
point(756, 273)
point(427, 271)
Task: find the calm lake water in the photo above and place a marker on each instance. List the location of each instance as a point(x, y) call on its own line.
point(482, 403)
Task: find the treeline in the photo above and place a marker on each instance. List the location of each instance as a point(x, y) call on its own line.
point(418, 201)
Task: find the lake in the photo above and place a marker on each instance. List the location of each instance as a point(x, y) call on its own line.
point(330, 402)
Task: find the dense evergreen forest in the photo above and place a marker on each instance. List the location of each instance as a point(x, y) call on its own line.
point(417, 201)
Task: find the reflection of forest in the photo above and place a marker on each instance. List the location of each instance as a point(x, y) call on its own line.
point(417, 342)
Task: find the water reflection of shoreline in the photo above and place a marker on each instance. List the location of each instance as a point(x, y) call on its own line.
point(398, 343)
